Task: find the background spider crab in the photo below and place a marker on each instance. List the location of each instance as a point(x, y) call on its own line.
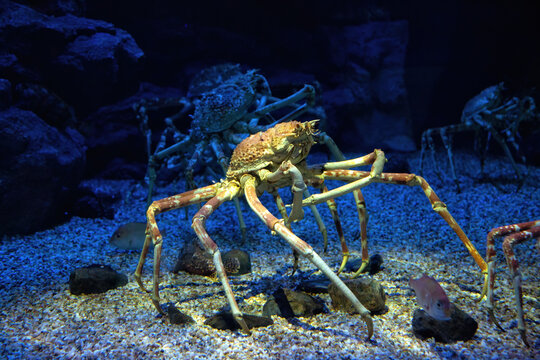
point(270, 160)
point(489, 115)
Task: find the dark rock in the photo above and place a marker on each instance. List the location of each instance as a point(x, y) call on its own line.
point(460, 327)
point(194, 260)
point(369, 291)
point(225, 321)
point(374, 265)
point(177, 317)
point(40, 167)
point(95, 279)
point(288, 303)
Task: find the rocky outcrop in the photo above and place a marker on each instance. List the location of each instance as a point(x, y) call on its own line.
point(89, 63)
point(40, 168)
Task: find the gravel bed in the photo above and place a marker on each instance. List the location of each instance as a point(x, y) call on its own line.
point(42, 320)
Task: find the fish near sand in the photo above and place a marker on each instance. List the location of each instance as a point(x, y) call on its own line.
point(129, 236)
point(431, 297)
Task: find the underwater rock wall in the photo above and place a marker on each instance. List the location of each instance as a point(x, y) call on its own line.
point(49, 67)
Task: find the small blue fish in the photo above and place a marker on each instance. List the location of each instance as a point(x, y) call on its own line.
point(129, 236)
point(431, 297)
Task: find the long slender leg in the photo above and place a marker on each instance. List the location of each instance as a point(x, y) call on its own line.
point(323, 138)
point(423, 150)
point(249, 185)
point(153, 234)
point(363, 218)
point(447, 142)
point(518, 233)
point(515, 274)
point(283, 212)
point(431, 147)
point(318, 220)
point(506, 150)
point(358, 180)
point(211, 248)
point(332, 205)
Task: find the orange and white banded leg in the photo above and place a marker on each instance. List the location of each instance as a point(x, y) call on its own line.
point(153, 234)
point(358, 179)
point(249, 183)
point(515, 234)
point(363, 218)
point(283, 211)
point(211, 247)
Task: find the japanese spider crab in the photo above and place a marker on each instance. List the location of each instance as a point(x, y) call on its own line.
point(488, 114)
point(274, 159)
point(227, 105)
point(513, 234)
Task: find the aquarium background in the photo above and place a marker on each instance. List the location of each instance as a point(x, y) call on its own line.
point(384, 72)
point(73, 157)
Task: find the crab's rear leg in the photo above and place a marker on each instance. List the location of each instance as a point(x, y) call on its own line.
point(153, 234)
point(228, 193)
point(249, 184)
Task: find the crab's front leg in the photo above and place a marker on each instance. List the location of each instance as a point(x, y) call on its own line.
point(229, 192)
point(154, 235)
point(249, 183)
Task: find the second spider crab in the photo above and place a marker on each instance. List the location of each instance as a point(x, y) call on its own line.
point(274, 159)
point(490, 115)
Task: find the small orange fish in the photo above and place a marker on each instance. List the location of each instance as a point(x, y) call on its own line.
point(431, 297)
point(129, 236)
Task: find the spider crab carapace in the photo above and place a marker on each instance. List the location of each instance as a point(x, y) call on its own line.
point(274, 159)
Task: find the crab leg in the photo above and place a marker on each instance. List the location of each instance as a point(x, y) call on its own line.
point(516, 234)
point(401, 179)
point(283, 212)
point(298, 187)
point(211, 247)
point(376, 159)
point(153, 234)
point(249, 184)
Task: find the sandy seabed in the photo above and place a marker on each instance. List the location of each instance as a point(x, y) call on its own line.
point(42, 320)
